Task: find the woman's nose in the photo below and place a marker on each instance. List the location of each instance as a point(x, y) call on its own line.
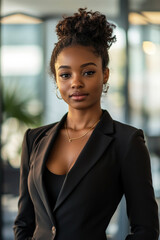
point(77, 82)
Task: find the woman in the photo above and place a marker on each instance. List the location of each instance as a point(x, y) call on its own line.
point(75, 172)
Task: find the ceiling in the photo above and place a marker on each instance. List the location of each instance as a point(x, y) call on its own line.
point(46, 8)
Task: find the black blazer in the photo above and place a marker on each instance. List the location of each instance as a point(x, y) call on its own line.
point(114, 162)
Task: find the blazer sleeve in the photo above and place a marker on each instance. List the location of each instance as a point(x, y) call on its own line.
point(24, 224)
point(142, 208)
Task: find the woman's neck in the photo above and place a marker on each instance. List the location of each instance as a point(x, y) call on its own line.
point(81, 119)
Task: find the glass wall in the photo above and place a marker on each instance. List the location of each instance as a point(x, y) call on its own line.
point(144, 77)
point(23, 99)
point(144, 90)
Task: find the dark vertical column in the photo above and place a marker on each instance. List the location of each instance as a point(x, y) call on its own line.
point(0, 137)
point(123, 223)
point(124, 10)
point(44, 34)
point(1, 172)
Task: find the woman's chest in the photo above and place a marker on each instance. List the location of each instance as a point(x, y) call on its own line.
point(64, 154)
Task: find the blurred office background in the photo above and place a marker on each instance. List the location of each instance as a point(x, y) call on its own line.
point(27, 92)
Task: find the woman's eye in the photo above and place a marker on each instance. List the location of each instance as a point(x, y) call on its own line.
point(65, 75)
point(89, 73)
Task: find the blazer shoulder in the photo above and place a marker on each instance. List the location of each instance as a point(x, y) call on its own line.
point(34, 135)
point(126, 136)
point(40, 130)
point(125, 130)
point(118, 129)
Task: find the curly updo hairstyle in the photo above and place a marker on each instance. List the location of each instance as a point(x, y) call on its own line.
point(84, 28)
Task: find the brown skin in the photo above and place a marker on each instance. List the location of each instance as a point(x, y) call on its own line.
point(80, 80)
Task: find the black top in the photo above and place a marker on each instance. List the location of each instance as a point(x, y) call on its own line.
point(53, 184)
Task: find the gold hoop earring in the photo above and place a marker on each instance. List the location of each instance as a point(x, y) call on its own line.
point(60, 98)
point(105, 88)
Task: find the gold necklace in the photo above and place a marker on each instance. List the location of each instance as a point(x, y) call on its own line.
point(71, 139)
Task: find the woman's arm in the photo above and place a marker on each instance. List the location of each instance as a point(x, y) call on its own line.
point(24, 224)
point(142, 209)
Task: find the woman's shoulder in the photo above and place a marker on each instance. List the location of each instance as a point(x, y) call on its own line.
point(35, 134)
point(127, 139)
point(121, 129)
point(126, 128)
point(45, 129)
point(125, 133)
point(40, 130)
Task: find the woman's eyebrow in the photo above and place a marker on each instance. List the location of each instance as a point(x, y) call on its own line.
point(82, 66)
point(87, 64)
point(64, 66)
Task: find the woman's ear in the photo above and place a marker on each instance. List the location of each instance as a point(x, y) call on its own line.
point(106, 75)
point(56, 83)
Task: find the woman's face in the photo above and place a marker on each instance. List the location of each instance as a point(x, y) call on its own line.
point(79, 77)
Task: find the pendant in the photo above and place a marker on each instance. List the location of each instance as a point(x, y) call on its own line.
point(70, 140)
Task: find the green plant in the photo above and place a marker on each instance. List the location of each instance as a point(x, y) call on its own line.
point(16, 104)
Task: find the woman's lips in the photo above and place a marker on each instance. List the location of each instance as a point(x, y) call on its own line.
point(78, 96)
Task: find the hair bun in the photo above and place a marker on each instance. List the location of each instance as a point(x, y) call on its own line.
point(87, 25)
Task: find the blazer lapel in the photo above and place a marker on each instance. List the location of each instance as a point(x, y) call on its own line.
point(39, 159)
point(99, 140)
